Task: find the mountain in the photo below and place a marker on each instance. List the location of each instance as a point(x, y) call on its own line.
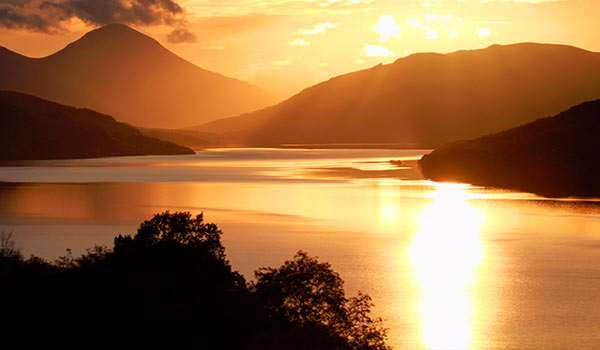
point(33, 128)
point(189, 138)
point(124, 73)
point(555, 156)
point(427, 99)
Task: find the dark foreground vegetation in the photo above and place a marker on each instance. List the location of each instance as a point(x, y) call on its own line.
point(33, 128)
point(556, 156)
point(171, 286)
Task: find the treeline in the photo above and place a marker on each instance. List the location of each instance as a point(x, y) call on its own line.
point(171, 286)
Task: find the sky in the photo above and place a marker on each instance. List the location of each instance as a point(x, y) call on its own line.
point(284, 46)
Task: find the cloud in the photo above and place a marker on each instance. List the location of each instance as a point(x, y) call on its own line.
point(318, 29)
point(428, 3)
point(386, 27)
point(11, 16)
point(284, 76)
point(440, 27)
point(277, 7)
point(484, 32)
point(51, 15)
point(299, 42)
point(431, 34)
point(376, 51)
point(181, 35)
point(524, 1)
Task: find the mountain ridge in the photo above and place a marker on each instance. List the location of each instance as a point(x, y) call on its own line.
point(427, 99)
point(122, 72)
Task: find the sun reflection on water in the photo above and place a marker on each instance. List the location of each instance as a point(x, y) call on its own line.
point(388, 208)
point(444, 254)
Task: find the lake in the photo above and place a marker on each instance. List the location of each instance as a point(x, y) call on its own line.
point(449, 266)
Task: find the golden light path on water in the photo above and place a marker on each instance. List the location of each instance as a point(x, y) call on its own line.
point(444, 254)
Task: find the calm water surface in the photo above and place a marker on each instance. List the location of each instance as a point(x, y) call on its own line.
point(449, 266)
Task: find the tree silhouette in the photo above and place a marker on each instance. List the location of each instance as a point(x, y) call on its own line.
point(170, 285)
point(309, 293)
point(178, 227)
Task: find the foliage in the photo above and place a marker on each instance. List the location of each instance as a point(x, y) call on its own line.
point(170, 285)
point(178, 227)
point(8, 249)
point(302, 290)
point(309, 293)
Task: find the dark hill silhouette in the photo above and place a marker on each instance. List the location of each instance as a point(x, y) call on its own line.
point(33, 128)
point(555, 156)
point(185, 137)
point(124, 73)
point(427, 99)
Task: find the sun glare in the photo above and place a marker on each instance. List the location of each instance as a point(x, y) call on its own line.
point(388, 208)
point(444, 253)
point(386, 27)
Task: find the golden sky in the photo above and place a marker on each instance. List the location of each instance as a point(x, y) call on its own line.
point(284, 46)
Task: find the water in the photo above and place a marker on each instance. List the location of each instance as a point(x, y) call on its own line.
point(449, 266)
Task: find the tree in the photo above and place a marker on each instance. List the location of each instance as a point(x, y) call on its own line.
point(170, 285)
point(308, 293)
point(8, 249)
point(177, 227)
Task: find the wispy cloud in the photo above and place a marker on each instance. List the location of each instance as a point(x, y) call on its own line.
point(278, 7)
point(320, 28)
point(434, 26)
point(431, 35)
point(483, 32)
point(299, 42)
point(376, 51)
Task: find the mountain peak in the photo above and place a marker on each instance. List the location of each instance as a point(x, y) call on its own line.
point(115, 29)
point(122, 72)
point(115, 36)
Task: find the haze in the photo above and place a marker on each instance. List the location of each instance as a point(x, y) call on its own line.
point(285, 46)
point(374, 174)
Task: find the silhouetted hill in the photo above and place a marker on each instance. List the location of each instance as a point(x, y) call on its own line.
point(33, 128)
point(124, 73)
point(555, 156)
point(427, 99)
point(189, 138)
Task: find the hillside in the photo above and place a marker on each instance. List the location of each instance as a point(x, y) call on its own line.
point(33, 128)
point(189, 138)
point(426, 100)
point(119, 71)
point(555, 156)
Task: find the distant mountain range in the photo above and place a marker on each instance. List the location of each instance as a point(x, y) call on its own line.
point(33, 128)
point(427, 99)
point(556, 156)
point(124, 73)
